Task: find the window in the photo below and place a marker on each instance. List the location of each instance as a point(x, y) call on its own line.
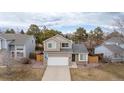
point(116, 55)
point(65, 44)
point(49, 45)
point(19, 54)
point(82, 57)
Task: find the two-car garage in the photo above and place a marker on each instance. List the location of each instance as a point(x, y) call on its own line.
point(58, 61)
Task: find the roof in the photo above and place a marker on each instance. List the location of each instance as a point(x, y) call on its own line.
point(55, 38)
point(17, 39)
point(79, 48)
point(114, 48)
point(119, 40)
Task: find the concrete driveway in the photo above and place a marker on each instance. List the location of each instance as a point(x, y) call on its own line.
point(57, 73)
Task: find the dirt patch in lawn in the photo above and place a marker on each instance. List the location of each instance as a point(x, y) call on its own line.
point(113, 71)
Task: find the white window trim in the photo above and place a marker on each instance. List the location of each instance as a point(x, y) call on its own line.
point(24, 51)
point(86, 57)
point(48, 45)
point(52, 45)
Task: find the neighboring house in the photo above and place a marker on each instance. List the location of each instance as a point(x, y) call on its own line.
point(113, 49)
point(59, 50)
point(18, 45)
point(119, 41)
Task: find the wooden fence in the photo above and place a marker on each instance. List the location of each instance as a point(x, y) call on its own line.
point(93, 59)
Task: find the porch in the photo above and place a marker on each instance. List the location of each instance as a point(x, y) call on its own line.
point(80, 59)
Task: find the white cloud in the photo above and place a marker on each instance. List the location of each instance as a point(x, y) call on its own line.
point(58, 20)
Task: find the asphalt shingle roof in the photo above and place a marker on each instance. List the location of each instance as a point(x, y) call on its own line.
point(114, 48)
point(79, 48)
point(18, 39)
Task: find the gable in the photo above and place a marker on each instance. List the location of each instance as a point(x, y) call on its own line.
point(62, 39)
point(54, 43)
point(51, 40)
point(59, 38)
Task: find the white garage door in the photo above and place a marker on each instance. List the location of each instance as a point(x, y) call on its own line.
point(58, 61)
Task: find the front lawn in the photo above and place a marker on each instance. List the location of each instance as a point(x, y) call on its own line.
point(22, 74)
point(112, 71)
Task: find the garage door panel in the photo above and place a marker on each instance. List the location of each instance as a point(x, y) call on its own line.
point(58, 61)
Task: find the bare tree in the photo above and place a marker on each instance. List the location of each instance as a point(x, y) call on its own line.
point(119, 24)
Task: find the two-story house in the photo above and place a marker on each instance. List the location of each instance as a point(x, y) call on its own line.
point(18, 45)
point(59, 50)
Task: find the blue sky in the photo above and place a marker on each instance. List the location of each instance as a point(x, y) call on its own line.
point(65, 21)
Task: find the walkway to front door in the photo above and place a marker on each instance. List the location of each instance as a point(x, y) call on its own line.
point(57, 73)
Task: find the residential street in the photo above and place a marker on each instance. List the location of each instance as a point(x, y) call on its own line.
point(57, 73)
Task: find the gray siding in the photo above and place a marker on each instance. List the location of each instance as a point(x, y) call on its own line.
point(30, 46)
point(3, 44)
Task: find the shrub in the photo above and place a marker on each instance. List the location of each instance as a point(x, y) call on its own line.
point(25, 61)
point(32, 55)
point(39, 48)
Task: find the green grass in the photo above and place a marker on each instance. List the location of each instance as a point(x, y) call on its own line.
point(113, 71)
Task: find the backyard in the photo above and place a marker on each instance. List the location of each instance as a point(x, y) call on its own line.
point(111, 71)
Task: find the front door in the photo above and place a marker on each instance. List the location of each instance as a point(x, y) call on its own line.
point(73, 57)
